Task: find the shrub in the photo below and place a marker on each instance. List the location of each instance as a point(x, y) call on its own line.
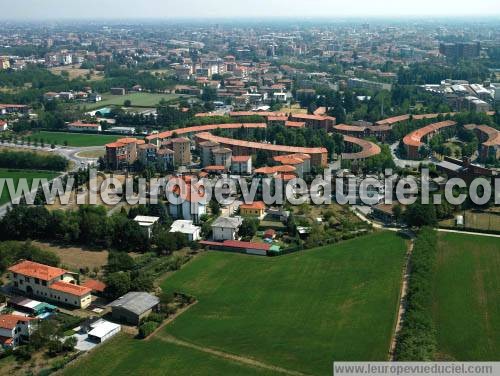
point(147, 328)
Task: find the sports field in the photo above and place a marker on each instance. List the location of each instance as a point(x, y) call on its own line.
point(136, 99)
point(74, 139)
point(298, 312)
point(467, 297)
point(16, 175)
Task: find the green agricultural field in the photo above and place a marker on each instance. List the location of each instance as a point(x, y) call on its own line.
point(74, 139)
point(298, 312)
point(137, 99)
point(17, 174)
point(466, 297)
point(124, 355)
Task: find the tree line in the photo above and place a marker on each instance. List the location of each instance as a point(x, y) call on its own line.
point(32, 161)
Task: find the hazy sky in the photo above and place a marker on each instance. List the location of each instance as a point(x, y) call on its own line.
point(54, 9)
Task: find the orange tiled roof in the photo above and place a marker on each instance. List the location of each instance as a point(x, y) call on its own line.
point(206, 136)
point(204, 128)
point(254, 205)
point(369, 149)
point(36, 270)
point(94, 285)
point(10, 321)
point(415, 137)
point(70, 288)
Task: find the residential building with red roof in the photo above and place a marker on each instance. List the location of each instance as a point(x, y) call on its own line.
point(14, 329)
point(319, 156)
point(241, 164)
point(255, 209)
point(78, 126)
point(49, 283)
point(414, 140)
point(315, 121)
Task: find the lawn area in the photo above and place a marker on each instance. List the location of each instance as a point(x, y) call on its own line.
point(16, 175)
point(124, 355)
point(477, 220)
point(74, 139)
point(466, 297)
point(299, 311)
point(137, 99)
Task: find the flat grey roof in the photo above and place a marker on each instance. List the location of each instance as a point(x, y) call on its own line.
point(136, 302)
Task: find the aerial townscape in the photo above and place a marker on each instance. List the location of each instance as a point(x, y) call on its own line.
point(136, 267)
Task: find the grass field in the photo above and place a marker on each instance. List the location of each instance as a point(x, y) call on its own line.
point(137, 99)
point(17, 174)
point(467, 298)
point(127, 356)
point(75, 72)
point(477, 220)
point(74, 139)
point(298, 312)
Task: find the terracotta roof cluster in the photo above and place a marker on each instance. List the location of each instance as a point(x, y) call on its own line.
point(124, 141)
point(414, 138)
point(204, 128)
point(369, 149)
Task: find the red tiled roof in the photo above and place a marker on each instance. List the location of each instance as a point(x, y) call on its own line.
point(369, 149)
point(114, 145)
point(295, 124)
point(36, 270)
point(82, 124)
point(70, 288)
point(254, 205)
point(94, 285)
point(204, 128)
point(241, 158)
point(415, 137)
point(10, 321)
point(238, 244)
point(492, 134)
point(275, 169)
point(206, 136)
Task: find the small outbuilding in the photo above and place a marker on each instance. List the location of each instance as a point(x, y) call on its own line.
point(103, 330)
point(133, 306)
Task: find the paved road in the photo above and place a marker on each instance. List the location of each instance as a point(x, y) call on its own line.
point(408, 162)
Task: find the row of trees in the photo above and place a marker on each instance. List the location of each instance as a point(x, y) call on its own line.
point(32, 161)
point(417, 338)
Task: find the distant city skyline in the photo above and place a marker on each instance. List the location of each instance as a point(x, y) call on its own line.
point(169, 9)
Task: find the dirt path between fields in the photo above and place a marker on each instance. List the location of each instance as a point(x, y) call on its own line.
point(402, 301)
point(235, 358)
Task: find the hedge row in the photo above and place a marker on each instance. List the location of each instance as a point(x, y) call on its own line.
point(417, 338)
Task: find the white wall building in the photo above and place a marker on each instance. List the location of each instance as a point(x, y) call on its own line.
point(186, 227)
point(226, 228)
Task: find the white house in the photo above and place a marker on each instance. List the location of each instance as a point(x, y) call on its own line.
point(14, 329)
point(3, 126)
point(189, 208)
point(187, 228)
point(226, 228)
point(147, 222)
